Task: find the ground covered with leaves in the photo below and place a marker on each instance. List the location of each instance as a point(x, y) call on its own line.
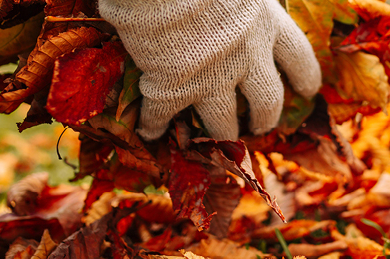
point(324, 171)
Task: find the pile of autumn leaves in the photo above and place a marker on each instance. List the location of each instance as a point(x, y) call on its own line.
point(327, 162)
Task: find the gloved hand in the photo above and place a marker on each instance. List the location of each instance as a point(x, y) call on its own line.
point(197, 51)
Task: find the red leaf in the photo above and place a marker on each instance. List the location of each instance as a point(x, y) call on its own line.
point(12, 226)
point(234, 157)
point(372, 36)
point(98, 187)
point(93, 73)
point(188, 184)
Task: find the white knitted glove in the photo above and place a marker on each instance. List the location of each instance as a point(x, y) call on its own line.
point(197, 51)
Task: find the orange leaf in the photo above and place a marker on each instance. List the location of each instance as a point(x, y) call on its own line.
point(38, 72)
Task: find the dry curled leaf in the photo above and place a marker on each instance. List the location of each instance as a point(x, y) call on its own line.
point(38, 72)
point(46, 246)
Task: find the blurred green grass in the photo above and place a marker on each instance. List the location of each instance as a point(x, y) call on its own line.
point(34, 150)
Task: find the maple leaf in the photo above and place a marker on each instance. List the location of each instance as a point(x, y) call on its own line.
point(97, 71)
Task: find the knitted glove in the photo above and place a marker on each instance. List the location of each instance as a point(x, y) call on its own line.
point(197, 51)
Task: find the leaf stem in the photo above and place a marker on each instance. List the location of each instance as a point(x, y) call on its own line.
point(64, 19)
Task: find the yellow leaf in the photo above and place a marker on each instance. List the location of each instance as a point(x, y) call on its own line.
point(315, 18)
point(225, 249)
point(363, 78)
point(373, 8)
point(46, 246)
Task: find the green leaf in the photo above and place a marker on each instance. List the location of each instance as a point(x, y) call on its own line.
point(296, 109)
point(283, 243)
point(130, 90)
point(379, 228)
point(344, 13)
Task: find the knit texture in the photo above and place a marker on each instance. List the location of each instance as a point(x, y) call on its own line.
point(197, 51)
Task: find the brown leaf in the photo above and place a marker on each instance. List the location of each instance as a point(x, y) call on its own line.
point(222, 197)
point(130, 149)
point(234, 157)
point(92, 156)
point(46, 246)
point(37, 114)
point(15, 12)
point(22, 196)
point(38, 72)
point(21, 248)
point(19, 38)
point(98, 70)
point(225, 249)
point(32, 196)
point(292, 230)
point(86, 242)
point(323, 159)
point(317, 250)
